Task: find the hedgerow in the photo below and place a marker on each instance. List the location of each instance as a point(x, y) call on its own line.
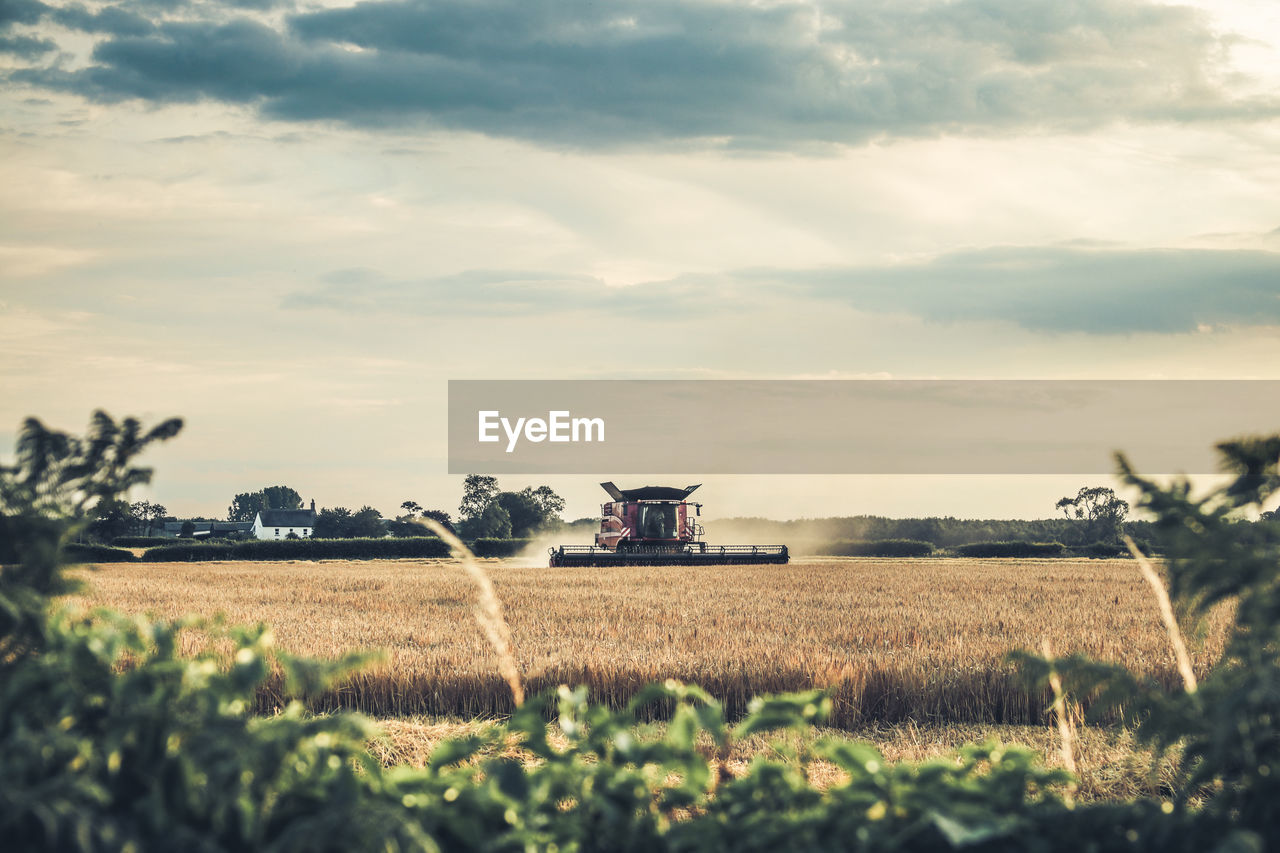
point(142, 541)
point(300, 549)
point(499, 547)
point(74, 552)
point(877, 548)
point(1012, 549)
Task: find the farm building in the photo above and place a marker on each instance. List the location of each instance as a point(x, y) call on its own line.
point(279, 523)
point(204, 529)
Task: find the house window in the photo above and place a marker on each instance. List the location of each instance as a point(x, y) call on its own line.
point(277, 531)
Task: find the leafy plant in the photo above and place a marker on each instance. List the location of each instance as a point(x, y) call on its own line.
point(51, 491)
point(1225, 722)
point(111, 738)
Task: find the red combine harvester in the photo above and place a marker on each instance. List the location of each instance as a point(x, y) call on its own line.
point(653, 526)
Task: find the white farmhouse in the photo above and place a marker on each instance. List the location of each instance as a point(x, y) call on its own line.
point(279, 523)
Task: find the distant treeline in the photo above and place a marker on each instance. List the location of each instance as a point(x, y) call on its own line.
point(945, 532)
point(423, 546)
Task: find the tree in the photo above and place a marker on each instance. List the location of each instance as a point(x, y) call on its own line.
point(478, 491)
point(493, 523)
point(531, 510)
point(246, 505)
point(149, 514)
point(282, 497)
point(366, 522)
point(111, 519)
point(342, 523)
point(440, 516)
point(1098, 507)
point(411, 508)
point(549, 503)
point(407, 526)
point(332, 523)
point(188, 529)
point(523, 511)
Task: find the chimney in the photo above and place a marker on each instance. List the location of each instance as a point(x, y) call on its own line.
point(313, 504)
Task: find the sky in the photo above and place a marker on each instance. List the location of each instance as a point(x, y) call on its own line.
point(292, 223)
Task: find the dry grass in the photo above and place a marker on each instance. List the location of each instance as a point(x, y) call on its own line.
point(1110, 764)
point(894, 639)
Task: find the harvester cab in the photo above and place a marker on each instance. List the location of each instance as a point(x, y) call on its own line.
point(657, 526)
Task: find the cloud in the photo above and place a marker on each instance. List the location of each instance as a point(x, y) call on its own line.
point(1100, 291)
point(771, 76)
point(23, 46)
point(1062, 289)
point(26, 47)
point(489, 293)
point(113, 20)
point(21, 12)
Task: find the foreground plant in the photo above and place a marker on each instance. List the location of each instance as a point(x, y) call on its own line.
point(110, 739)
point(1225, 725)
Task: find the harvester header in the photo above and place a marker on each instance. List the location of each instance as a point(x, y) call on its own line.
point(657, 526)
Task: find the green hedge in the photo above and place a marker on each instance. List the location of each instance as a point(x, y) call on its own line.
point(74, 553)
point(301, 549)
point(1112, 549)
point(1012, 549)
point(877, 548)
point(1100, 549)
point(499, 547)
point(141, 541)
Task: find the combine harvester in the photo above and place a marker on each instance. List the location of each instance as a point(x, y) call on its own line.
point(653, 526)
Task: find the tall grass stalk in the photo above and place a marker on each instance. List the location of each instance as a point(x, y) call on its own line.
point(488, 609)
point(1166, 614)
point(1066, 735)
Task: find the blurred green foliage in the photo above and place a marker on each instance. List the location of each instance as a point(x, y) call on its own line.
point(112, 739)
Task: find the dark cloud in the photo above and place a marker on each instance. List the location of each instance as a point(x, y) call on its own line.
point(777, 76)
point(1055, 289)
point(261, 4)
point(113, 20)
point(26, 47)
point(1061, 289)
point(20, 12)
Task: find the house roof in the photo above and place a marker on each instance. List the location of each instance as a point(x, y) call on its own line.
point(288, 518)
point(174, 528)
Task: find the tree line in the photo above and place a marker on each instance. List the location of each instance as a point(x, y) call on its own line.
point(1093, 515)
point(486, 511)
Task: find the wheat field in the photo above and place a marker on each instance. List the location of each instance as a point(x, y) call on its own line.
point(893, 639)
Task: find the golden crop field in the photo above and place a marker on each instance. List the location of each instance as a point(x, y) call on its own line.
point(893, 639)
